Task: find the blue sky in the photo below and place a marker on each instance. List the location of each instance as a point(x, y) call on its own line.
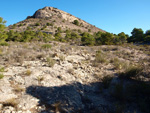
point(114, 16)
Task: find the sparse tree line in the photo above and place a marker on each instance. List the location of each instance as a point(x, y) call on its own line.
point(77, 37)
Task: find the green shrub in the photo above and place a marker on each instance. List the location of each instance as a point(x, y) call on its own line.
point(105, 39)
point(43, 27)
point(49, 24)
point(87, 39)
point(2, 69)
point(59, 29)
point(37, 24)
point(58, 36)
point(28, 28)
point(20, 25)
point(1, 75)
point(79, 31)
point(76, 22)
point(63, 21)
point(89, 30)
point(4, 44)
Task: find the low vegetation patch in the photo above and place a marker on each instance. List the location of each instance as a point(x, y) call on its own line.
point(131, 71)
point(50, 62)
point(46, 46)
point(2, 69)
point(11, 102)
point(18, 89)
point(1, 75)
point(28, 72)
point(40, 78)
point(100, 58)
point(4, 44)
point(118, 64)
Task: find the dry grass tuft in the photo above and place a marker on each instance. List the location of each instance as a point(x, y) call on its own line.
point(50, 62)
point(11, 102)
point(28, 72)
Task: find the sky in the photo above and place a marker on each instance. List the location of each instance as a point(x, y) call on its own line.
point(113, 16)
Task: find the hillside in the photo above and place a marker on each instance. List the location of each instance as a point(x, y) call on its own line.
point(60, 78)
point(49, 19)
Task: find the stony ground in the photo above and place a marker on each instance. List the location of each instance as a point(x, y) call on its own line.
point(36, 78)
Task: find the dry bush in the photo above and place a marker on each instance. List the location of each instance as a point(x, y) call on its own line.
point(28, 72)
point(11, 102)
point(40, 78)
point(100, 58)
point(18, 89)
point(40, 56)
point(118, 64)
point(131, 72)
point(62, 58)
point(50, 62)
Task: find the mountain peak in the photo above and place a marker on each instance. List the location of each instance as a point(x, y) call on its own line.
point(56, 18)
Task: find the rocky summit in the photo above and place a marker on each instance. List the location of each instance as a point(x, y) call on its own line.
point(50, 19)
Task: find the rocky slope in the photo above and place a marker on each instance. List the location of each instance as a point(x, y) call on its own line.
point(56, 18)
point(63, 79)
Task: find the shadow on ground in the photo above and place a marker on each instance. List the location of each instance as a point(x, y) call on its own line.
point(71, 98)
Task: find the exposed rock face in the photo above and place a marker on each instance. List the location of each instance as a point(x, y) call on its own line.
point(43, 13)
point(49, 12)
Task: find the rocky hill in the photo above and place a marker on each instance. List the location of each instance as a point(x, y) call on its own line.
point(49, 19)
point(54, 77)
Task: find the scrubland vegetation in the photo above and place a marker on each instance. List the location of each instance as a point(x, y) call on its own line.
point(76, 37)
